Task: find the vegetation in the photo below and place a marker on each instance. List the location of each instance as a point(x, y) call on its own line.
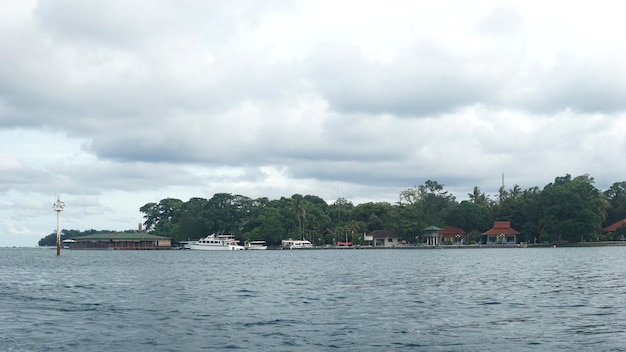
point(570, 209)
point(51, 239)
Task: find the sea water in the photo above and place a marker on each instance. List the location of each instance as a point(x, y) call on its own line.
point(522, 299)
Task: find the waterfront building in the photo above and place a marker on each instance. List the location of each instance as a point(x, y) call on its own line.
point(453, 235)
point(613, 227)
point(121, 240)
point(432, 236)
point(501, 232)
point(382, 238)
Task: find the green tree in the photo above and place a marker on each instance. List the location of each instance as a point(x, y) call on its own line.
point(432, 201)
point(269, 225)
point(470, 217)
point(526, 215)
point(151, 215)
point(228, 213)
point(51, 239)
point(193, 222)
point(163, 217)
point(375, 215)
point(299, 208)
point(573, 209)
point(355, 229)
point(479, 198)
point(505, 210)
point(317, 219)
point(616, 202)
point(407, 223)
point(340, 210)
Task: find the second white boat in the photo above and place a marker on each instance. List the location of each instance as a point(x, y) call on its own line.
point(255, 245)
point(215, 242)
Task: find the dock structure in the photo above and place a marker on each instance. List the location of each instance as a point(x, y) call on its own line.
point(122, 241)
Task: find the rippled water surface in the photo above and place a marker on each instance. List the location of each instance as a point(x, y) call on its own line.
point(551, 299)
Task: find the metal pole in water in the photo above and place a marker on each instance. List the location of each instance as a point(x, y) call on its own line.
point(58, 207)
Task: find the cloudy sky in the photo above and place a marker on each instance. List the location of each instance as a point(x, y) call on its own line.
point(114, 104)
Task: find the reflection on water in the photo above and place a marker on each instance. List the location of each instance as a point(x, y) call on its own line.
point(361, 300)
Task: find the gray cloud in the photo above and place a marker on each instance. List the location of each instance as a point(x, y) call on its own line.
point(419, 82)
point(585, 86)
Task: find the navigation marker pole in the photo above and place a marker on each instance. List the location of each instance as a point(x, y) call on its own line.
point(58, 207)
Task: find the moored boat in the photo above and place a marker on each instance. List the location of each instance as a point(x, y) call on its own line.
point(216, 242)
point(255, 245)
point(67, 243)
point(296, 244)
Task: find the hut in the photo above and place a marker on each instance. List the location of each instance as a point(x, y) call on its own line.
point(382, 238)
point(431, 236)
point(453, 235)
point(614, 227)
point(501, 232)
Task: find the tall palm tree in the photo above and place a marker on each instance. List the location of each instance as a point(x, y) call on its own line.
point(353, 227)
point(299, 209)
point(479, 198)
point(515, 192)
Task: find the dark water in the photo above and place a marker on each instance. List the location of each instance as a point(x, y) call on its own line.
point(552, 299)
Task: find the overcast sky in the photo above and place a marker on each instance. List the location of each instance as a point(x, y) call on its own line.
point(114, 104)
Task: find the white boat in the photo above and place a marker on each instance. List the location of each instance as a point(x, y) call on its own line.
point(215, 242)
point(253, 245)
point(67, 243)
point(296, 244)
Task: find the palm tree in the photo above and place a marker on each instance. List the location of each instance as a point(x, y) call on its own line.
point(515, 192)
point(299, 209)
point(353, 227)
point(479, 198)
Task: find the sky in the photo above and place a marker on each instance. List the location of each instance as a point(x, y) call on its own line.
point(110, 105)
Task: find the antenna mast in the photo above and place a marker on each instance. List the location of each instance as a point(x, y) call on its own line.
point(501, 193)
point(58, 206)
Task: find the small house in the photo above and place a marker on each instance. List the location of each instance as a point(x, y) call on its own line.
point(431, 236)
point(382, 238)
point(614, 227)
point(501, 232)
point(453, 235)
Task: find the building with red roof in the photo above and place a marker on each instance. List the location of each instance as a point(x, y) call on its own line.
point(501, 232)
point(453, 235)
point(615, 226)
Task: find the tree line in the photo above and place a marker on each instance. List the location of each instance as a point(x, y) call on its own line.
point(570, 209)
